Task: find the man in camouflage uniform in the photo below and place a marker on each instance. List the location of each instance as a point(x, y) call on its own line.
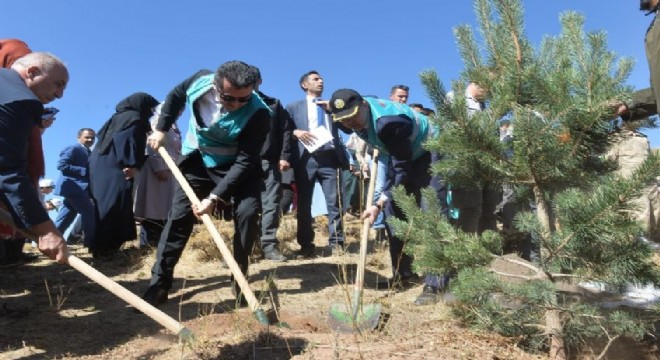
point(630, 147)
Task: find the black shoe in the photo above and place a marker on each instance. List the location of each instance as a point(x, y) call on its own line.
point(274, 255)
point(428, 296)
point(307, 252)
point(155, 296)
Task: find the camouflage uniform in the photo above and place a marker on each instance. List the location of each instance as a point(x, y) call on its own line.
point(630, 149)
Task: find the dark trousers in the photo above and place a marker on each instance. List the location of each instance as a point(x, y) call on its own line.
point(152, 230)
point(351, 192)
point(418, 178)
point(271, 196)
point(322, 167)
point(477, 207)
point(287, 199)
point(72, 206)
point(180, 221)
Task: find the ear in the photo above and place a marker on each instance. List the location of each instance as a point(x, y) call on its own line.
point(32, 72)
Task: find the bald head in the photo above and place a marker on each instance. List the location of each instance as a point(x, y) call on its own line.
point(44, 74)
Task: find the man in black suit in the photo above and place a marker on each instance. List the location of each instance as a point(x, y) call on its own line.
point(275, 158)
point(221, 161)
point(320, 165)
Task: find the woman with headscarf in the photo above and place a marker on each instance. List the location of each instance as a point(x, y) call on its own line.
point(154, 186)
point(112, 165)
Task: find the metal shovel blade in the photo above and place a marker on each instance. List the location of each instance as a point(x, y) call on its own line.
point(344, 319)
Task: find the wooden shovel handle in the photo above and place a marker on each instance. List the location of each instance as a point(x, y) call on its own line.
point(110, 285)
point(253, 303)
point(366, 225)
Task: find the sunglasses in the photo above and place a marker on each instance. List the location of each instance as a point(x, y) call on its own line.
point(229, 98)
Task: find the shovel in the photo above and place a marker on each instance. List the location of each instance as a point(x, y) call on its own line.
point(160, 317)
point(252, 301)
point(358, 317)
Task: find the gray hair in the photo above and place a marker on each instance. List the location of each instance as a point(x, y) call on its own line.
point(45, 61)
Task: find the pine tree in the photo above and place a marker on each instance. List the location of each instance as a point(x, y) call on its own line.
point(560, 98)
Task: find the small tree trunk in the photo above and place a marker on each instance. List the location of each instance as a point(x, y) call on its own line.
point(553, 325)
point(554, 330)
point(543, 211)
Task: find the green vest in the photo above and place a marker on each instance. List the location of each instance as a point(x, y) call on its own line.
point(217, 143)
point(422, 130)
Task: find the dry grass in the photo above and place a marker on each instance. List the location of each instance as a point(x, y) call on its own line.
point(92, 324)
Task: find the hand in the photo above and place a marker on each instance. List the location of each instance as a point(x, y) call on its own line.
point(305, 136)
point(621, 109)
point(163, 175)
point(284, 165)
point(364, 167)
point(129, 173)
point(54, 246)
point(49, 206)
point(324, 103)
point(51, 242)
point(205, 206)
point(156, 139)
point(47, 122)
point(353, 169)
point(370, 213)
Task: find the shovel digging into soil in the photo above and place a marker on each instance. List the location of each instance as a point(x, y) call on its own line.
point(185, 334)
point(358, 317)
point(252, 301)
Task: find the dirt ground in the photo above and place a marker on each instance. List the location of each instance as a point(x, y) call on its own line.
point(50, 311)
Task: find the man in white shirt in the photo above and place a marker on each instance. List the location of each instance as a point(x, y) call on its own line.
point(322, 164)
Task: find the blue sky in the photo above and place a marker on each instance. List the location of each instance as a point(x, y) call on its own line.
point(114, 48)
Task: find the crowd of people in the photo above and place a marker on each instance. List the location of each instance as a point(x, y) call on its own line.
point(243, 152)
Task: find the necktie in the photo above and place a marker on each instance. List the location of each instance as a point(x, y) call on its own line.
point(320, 114)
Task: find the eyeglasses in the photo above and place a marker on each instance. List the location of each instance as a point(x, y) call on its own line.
point(229, 98)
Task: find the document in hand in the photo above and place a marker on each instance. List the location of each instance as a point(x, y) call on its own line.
point(322, 135)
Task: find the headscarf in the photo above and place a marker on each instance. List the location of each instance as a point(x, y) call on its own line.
point(135, 108)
